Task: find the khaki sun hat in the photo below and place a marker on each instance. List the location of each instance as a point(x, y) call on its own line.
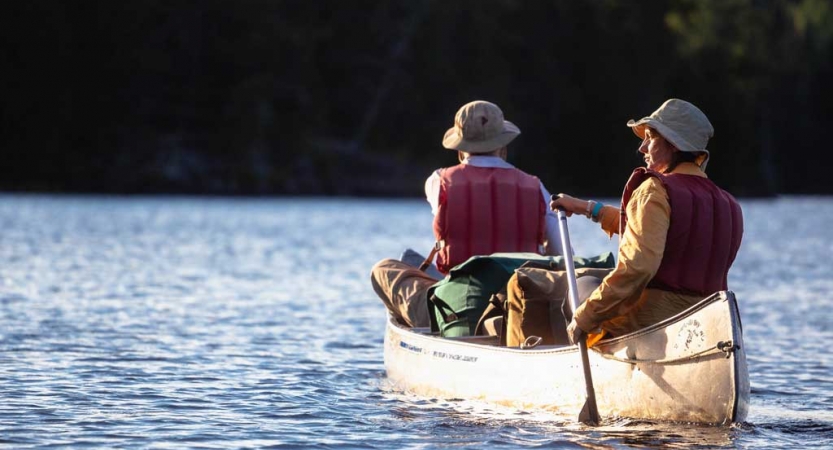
point(682, 123)
point(479, 127)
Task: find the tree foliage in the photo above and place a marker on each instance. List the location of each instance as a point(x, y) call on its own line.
point(353, 98)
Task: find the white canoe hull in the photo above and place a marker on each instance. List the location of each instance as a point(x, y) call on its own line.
point(675, 370)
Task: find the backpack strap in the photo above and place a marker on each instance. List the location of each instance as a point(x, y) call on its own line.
point(442, 307)
point(495, 308)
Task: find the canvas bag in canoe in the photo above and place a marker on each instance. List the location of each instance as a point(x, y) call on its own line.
point(535, 304)
point(456, 303)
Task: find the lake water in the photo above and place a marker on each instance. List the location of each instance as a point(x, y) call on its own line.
point(250, 323)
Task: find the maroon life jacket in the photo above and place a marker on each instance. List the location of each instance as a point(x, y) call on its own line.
point(483, 210)
point(704, 234)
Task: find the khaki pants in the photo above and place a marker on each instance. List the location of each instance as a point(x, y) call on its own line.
point(404, 291)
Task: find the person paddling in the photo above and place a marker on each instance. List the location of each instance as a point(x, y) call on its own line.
point(481, 206)
point(679, 232)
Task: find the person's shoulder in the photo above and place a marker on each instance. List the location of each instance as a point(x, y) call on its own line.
point(435, 177)
point(530, 177)
point(519, 170)
point(650, 186)
point(442, 170)
point(652, 183)
point(524, 172)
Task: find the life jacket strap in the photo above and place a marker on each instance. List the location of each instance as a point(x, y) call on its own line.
point(430, 259)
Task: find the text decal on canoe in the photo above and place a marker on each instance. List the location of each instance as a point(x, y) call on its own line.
point(410, 347)
point(437, 354)
point(454, 357)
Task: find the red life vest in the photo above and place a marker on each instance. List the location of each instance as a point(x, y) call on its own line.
point(704, 234)
point(483, 210)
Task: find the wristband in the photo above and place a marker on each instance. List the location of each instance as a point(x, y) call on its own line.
point(597, 208)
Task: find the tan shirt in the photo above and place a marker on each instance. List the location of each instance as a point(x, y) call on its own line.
point(622, 304)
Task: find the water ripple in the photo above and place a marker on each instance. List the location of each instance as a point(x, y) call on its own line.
point(250, 323)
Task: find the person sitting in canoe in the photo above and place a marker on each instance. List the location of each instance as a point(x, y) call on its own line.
point(481, 206)
point(679, 232)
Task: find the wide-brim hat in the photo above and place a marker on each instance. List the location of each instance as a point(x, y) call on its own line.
point(479, 127)
point(682, 124)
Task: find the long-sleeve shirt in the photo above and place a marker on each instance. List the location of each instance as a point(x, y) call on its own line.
point(432, 194)
point(622, 303)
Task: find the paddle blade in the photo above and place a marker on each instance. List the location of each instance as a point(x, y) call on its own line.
point(589, 414)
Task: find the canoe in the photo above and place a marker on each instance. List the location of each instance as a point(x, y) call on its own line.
point(688, 368)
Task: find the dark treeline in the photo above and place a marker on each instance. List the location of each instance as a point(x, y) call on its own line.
point(353, 97)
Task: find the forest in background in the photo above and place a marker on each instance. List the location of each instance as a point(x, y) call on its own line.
point(352, 98)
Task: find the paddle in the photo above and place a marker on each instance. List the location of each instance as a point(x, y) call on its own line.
point(589, 414)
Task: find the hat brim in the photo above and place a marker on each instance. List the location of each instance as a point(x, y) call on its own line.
point(454, 140)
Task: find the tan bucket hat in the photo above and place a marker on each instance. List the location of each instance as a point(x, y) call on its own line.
point(479, 127)
point(682, 123)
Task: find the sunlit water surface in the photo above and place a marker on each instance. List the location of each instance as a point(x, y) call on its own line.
point(248, 323)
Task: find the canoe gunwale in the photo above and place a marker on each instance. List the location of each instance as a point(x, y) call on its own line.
point(492, 348)
point(717, 296)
